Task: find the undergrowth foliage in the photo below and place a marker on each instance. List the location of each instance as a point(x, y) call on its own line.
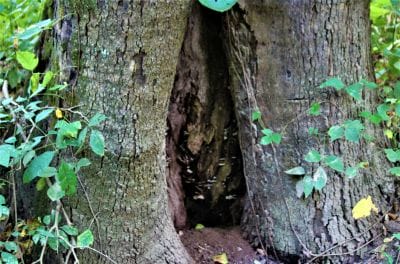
point(39, 142)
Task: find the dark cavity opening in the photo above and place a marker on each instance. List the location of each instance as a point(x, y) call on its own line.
point(205, 182)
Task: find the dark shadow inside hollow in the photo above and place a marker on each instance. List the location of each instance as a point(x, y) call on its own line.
point(205, 175)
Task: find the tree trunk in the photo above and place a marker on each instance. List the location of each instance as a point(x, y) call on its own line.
point(279, 53)
point(120, 58)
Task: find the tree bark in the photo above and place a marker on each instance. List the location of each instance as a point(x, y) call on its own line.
point(120, 58)
point(280, 52)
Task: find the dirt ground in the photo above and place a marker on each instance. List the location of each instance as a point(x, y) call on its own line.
point(206, 243)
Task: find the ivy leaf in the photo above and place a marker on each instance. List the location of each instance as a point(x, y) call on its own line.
point(395, 171)
point(335, 132)
point(313, 156)
point(351, 172)
point(335, 163)
point(320, 178)
point(270, 137)
point(85, 239)
point(314, 109)
point(55, 192)
point(392, 155)
point(354, 91)
point(333, 82)
point(38, 166)
point(363, 208)
point(43, 115)
point(67, 178)
point(27, 59)
point(97, 142)
point(382, 111)
point(353, 130)
point(255, 115)
point(96, 120)
point(218, 5)
point(308, 185)
point(296, 171)
point(9, 258)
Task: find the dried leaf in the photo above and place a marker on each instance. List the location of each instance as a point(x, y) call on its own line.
point(363, 208)
point(221, 258)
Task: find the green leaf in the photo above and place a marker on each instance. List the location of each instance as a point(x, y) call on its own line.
point(266, 140)
point(2, 200)
point(296, 171)
point(314, 109)
point(6, 152)
point(82, 163)
point(11, 246)
point(55, 192)
point(10, 140)
point(335, 163)
point(67, 178)
point(34, 83)
point(37, 166)
point(27, 59)
point(28, 157)
point(70, 230)
point(320, 178)
point(85, 239)
point(396, 235)
point(255, 115)
point(308, 185)
point(382, 110)
point(395, 171)
point(368, 84)
point(299, 188)
point(267, 131)
point(335, 132)
point(66, 131)
point(34, 29)
point(97, 142)
point(9, 258)
point(313, 156)
point(199, 227)
point(392, 155)
point(4, 212)
point(47, 78)
point(312, 131)
point(353, 130)
point(351, 172)
point(333, 82)
point(43, 115)
point(354, 91)
point(276, 138)
point(218, 5)
point(96, 120)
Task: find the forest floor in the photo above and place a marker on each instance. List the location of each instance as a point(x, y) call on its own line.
point(205, 244)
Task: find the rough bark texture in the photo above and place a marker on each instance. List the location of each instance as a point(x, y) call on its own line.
point(120, 57)
point(202, 143)
point(280, 51)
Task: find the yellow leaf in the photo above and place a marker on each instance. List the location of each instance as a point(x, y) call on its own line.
point(199, 227)
point(59, 113)
point(363, 208)
point(389, 133)
point(221, 258)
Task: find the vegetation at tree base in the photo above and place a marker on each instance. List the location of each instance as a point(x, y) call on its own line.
point(45, 144)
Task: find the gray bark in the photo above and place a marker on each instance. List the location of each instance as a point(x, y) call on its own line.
point(280, 51)
point(120, 58)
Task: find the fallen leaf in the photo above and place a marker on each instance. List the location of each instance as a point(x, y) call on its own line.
point(363, 208)
point(221, 258)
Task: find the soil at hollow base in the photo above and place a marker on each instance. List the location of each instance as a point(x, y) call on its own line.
point(206, 243)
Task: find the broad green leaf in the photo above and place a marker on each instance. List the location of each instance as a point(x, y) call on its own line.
point(41, 184)
point(10, 140)
point(267, 131)
point(4, 212)
point(11, 246)
point(48, 76)
point(352, 130)
point(96, 142)
point(85, 239)
point(2, 200)
point(43, 115)
point(276, 138)
point(37, 166)
point(265, 140)
point(296, 171)
point(354, 91)
point(70, 230)
point(396, 235)
point(96, 120)
point(66, 131)
point(312, 156)
point(368, 84)
point(6, 152)
point(35, 29)
point(34, 82)
point(308, 185)
point(67, 178)
point(218, 5)
point(27, 59)
point(314, 109)
point(334, 162)
point(55, 192)
point(392, 155)
point(255, 115)
point(395, 171)
point(333, 82)
point(335, 132)
point(320, 178)
point(382, 110)
point(8, 258)
point(351, 172)
point(82, 163)
point(48, 172)
point(28, 157)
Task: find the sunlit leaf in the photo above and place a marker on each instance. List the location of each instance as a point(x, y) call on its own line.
point(363, 208)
